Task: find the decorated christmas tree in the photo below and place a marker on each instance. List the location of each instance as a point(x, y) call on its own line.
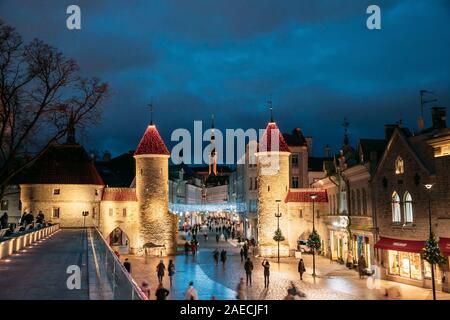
point(432, 252)
point(278, 237)
point(314, 240)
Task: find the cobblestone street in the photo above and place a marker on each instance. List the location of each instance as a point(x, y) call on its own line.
point(333, 281)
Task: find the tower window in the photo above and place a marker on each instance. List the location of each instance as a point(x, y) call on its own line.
point(294, 182)
point(295, 160)
point(96, 192)
point(55, 213)
point(399, 166)
point(56, 191)
point(4, 205)
point(268, 188)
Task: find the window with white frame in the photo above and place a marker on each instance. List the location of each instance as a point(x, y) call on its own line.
point(396, 215)
point(407, 207)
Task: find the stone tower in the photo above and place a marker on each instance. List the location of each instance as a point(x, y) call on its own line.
point(273, 185)
point(157, 230)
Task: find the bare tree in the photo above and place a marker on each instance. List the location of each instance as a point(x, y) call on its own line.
point(41, 96)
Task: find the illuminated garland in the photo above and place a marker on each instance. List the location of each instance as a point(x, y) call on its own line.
point(180, 208)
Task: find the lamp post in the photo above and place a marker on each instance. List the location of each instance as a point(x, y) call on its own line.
point(278, 216)
point(313, 198)
point(85, 214)
point(429, 186)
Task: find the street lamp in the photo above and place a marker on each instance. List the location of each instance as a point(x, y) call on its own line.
point(278, 216)
point(428, 187)
point(85, 214)
point(313, 198)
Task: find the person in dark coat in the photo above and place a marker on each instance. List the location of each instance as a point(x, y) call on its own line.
point(248, 266)
point(127, 265)
point(242, 254)
point(216, 256)
point(223, 257)
point(301, 268)
point(171, 270)
point(266, 266)
point(362, 266)
point(187, 247)
point(161, 292)
point(217, 237)
point(160, 269)
point(4, 221)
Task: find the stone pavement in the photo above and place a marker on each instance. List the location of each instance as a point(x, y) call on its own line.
point(39, 271)
point(333, 281)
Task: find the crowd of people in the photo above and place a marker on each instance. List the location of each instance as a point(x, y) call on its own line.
point(27, 220)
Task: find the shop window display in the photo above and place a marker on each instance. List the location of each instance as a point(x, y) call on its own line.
point(405, 264)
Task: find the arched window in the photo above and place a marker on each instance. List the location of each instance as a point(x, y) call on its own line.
point(396, 215)
point(407, 207)
point(399, 167)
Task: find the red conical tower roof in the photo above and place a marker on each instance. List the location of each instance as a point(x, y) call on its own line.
point(265, 145)
point(151, 143)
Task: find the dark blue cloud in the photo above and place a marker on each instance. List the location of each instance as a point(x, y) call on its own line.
point(195, 58)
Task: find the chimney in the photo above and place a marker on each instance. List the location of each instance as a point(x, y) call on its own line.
point(389, 130)
point(438, 118)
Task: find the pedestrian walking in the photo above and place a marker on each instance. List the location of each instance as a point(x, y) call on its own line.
point(193, 248)
point(187, 247)
point(146, 289)
point(349, 260)
point(266, 266)
point(127, 265)
point(4, 221)
point(216, 256)
point(223, 257)
point(301, 268)
point(241, 292)
point(242, 254)
point(362, 266)
point(171, 270)
point(160, 270)
point(217, 237)
point(161, 292)
point(248, 266)
point(191, 293)
point(205, 235)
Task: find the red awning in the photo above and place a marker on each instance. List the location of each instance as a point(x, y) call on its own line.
point(400, 245)
point(444, 244)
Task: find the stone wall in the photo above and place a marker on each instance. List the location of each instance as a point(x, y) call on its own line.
point(72, 200)
point(156, 224)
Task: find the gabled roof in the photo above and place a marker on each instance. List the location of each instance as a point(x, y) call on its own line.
point(265, 145)
point(414, 144)
point(119, 194)
point(151, 143)
point(305, 195)
point(62, 164)
point(119, 171)
point(317, 163)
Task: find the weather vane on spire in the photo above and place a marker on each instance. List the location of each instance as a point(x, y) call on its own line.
point(212, 121)
point(150, 105)
point(269, 104)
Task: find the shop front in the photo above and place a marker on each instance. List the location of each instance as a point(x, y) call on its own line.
point(361, 246)
point(444, 244)
point(339, 244)
point(402, 261)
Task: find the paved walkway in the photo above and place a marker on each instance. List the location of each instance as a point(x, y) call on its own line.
point(334, 281)
point(39, 271)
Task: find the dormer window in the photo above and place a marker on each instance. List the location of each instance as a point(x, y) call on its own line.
point(399, 167)
point(56, 191)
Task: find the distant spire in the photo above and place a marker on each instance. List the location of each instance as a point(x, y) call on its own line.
point(150, 105)
point(346, 124)
point(71, 129)
point(269, 104)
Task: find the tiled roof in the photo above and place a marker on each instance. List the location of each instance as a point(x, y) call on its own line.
point(265, 145)
point(296, 138)
point(63, 164)
point(119, 194)
point(305, 195)
point(151, 143)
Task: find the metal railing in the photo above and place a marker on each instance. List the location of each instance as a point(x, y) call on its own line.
point(108, 264)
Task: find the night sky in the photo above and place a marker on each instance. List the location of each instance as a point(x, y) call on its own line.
point(197, 57)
